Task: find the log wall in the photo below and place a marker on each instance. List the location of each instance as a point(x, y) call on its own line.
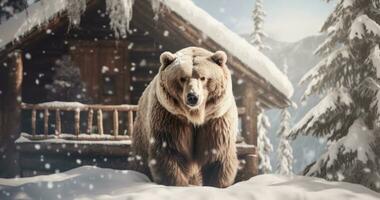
point(10, 112)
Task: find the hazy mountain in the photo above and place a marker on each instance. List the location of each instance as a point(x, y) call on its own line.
point(300, 58)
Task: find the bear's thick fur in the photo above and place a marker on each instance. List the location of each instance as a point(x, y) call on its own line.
point(186, 124)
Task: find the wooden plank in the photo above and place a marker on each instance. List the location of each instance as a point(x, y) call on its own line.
point(80, 148)
point(58, 125)
point(46, 122)
point(250, 130)
point(115, 123)
point(77, 121)
point(130, 123)
point(81, 137)
point(249, 120)
point(120, 108)
point(10, 112)
point(33, 121)
point(249, 166)
point(100, 122)
point(244, 149)
point(90, 119)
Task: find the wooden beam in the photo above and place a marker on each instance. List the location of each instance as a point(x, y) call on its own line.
point(58, 125)
point(100, 122)
point(115, 123)
point(130, 123)
point(77, 121)
point(82, 108)
point(250, 119)
point(33, 121)
point(10, 113)
point(250, 130)
point(46, 122)
point(90, 119)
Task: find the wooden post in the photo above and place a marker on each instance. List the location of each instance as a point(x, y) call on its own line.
point(100, 122)
point(250, 129)
point(33, 120)
point(130, 122)
point(115, 123)
point(58, 126)
point(10, 112)
point(77, 121)
point(89, 121)
point(250, 119)
point(46, 122)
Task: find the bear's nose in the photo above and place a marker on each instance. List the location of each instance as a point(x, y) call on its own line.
point(192, 99)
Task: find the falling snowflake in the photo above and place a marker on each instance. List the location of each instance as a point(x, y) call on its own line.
point(166, 33)
point(28, 56)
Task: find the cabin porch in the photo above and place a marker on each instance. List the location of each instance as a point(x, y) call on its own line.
point(53, 149)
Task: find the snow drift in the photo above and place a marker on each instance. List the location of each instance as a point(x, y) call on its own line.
point(96, 183)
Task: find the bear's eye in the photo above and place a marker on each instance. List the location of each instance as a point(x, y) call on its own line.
point(182, 79)
point(203, 78)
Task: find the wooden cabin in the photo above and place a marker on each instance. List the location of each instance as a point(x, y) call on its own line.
point(33, 137)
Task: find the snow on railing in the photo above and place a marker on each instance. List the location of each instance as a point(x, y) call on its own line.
point(77, 108)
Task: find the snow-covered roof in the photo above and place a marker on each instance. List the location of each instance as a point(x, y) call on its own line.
point(96, 183)
point(23, 22)
point(42, 11)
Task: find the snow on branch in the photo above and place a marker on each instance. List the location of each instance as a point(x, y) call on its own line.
point(371, 87)
point(375, 59)
point(329, 105)
point(363, 26)
point(330, 69)
point(120, 13)
point(358, 141)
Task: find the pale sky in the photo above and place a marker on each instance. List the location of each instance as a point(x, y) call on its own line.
point(287, 20)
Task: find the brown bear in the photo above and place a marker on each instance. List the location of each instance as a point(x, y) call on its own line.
point(186, 124)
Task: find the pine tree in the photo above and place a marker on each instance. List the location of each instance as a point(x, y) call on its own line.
point(284, 150)
point(67, 84)
point(263, 143)
point(258, 33)
point(348, 113)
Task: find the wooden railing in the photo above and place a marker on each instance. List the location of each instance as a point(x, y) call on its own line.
point(77, 108)
point(83, 145)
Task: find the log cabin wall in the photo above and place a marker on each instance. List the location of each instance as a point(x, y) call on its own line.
point(11, 75)
point(137, 62)
point(104, 69)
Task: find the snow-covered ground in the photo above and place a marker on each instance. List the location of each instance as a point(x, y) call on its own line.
point(97, 183)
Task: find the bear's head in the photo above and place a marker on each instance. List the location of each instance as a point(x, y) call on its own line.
point(195, 84)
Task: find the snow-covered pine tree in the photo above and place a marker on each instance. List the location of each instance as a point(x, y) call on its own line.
point(258, 33)
point(284, 150)
point(263, 143)
point(346, 79)
point(67, 84)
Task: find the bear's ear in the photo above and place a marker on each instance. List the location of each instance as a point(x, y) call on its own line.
point(166, 59)
point(220, 58)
